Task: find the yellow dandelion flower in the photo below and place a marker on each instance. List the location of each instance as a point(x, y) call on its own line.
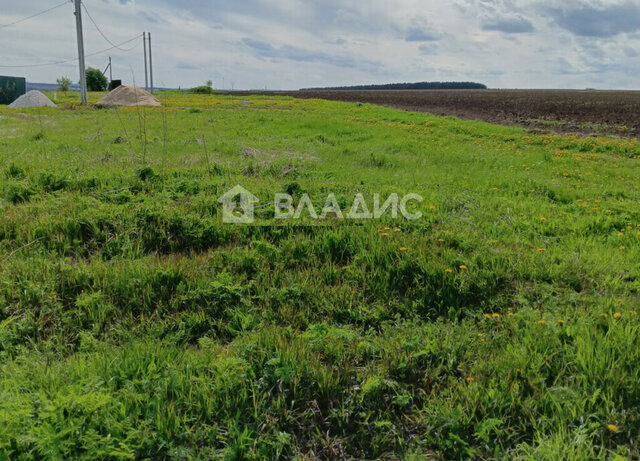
point(613, 428)
point(617, 315)
point(469, 380)
point(384, 235)
point(403, 249)
point(449, 271)
point(387, 229)
point(541, 322)
point(560, 322)
point(543, 219)
point(432, 207)
point(541, 250)
point(441, 240)
point(622, 248)
point(495, 316)
point(397, 230)
point(633, 313)
point(604, 316)
point(463, 267)
point(487, 316)
point(621, 234)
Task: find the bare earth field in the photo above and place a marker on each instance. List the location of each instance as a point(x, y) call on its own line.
point(587, 112)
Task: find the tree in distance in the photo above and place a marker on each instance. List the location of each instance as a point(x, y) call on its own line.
point(203, 89)
point(64, 83)
point(96, 81)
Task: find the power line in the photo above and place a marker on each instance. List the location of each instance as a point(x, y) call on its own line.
point(86, 56)
point(33, 15)
point(98, 28)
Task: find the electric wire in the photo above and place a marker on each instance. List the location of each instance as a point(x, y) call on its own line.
point(86, 55)
point(98, 28)
point(33, 15)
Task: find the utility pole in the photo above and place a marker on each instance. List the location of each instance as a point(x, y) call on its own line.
point(150, 63)
point(83, 75)
point(110, 72)
point(146, 72)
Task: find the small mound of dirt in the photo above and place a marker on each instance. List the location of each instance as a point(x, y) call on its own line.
point(128, 96)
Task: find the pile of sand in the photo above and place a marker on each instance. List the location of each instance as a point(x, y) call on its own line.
point(128, 96)
point(33, 98)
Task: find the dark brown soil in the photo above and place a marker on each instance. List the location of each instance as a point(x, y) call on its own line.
point(588, 112)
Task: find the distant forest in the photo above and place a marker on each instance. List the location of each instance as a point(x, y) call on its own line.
point(409, 86)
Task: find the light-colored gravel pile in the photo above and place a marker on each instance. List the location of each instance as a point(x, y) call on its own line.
point(33, 98)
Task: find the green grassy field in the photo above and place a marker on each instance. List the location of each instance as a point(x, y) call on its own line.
point(134, 324)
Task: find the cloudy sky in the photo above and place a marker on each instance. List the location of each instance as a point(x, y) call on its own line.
point(288, 44)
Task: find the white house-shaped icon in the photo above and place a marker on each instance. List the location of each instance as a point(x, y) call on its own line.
point(238, 206)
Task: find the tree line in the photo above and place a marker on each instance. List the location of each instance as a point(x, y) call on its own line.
point(409, 86)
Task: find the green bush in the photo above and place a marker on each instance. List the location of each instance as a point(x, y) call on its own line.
point(96, 81)
point(203, 89)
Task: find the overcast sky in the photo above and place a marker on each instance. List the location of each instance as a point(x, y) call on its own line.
point(288, 44)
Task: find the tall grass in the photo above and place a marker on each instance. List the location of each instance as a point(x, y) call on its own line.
point(135, 325)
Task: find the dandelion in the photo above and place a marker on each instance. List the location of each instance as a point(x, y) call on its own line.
point(560, 322)
point(440, 240)
point(541, 250)
point(604, 316)
point(622, 248)
point(613, 428)
point(543, 219)
point(403, 249)
point(487, 316)
point(469, 380)
point(449, 271)
point(617, 315)
point(397, 230)
point(387, 229)
point(384, 235)
point(510, 314)
point(541, 322)
point(463, 267)
point(621, 234)
point(495, 316)
point(432, 207)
